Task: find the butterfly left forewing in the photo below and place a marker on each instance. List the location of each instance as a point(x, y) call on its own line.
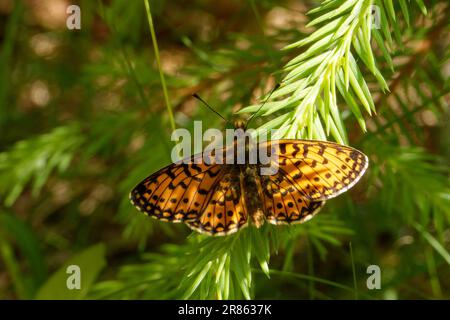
point(177, 192)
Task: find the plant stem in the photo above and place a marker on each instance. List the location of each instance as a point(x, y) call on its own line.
point(158, 61)
point(354, 272)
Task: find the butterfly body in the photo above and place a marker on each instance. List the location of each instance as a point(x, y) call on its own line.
point(253, 195)
point(219, 199)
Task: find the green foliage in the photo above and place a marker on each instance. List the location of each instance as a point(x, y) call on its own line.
point(215, 268)
point(13, 230)
point(412, 169)
point(326, 67)
point(68, 162)
point(90, 262)
point(35, 159)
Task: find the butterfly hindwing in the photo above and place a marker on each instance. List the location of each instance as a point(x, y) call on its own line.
point(319, 170)
point(284, 203)
point(225, 211)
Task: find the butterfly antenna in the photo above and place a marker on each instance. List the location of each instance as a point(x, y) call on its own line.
point(267, 99)
point(196, 96)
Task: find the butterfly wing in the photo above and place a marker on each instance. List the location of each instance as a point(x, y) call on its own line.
point(206, 196)
point(284, 203)
point(319, 170)
point(177, 192)
point(225, 211)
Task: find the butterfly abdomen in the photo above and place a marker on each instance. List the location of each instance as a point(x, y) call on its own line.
point(253, 194)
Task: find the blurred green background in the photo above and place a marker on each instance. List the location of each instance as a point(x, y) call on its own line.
point(83, 119)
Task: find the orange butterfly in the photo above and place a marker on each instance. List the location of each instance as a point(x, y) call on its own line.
point(219, 199)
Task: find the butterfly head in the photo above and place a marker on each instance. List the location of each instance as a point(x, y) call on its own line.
point(240, 124)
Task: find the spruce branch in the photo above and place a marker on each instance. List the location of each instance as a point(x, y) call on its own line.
point(306, 104)
point(214, 268)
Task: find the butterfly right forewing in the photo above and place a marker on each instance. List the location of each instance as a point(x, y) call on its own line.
point(320, 170)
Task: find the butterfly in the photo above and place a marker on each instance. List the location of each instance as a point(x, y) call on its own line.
point(219, 199)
